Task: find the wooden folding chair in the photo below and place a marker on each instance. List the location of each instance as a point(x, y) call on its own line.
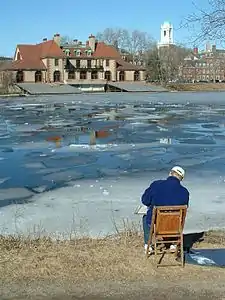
point(167, 228)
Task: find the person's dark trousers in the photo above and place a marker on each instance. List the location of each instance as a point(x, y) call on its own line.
point(146, 229)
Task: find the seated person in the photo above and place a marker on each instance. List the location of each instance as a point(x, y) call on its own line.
point(166, 192)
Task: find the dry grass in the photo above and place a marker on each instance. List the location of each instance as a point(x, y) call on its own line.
point(115, 258)
point(80, 259)
point(197, 86)
point(114, 266)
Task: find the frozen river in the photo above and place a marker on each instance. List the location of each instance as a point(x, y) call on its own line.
point(53, 181)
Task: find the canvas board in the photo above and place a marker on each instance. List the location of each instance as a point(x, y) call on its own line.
point(141, 210)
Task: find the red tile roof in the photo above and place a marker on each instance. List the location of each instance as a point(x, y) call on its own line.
point(122, 65)
point(101, 50)
point(83, 52)
point(50, 49)
point(31, 55)
point(27, 64)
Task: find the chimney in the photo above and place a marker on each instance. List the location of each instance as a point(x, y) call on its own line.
point(87, 43)
point(213, 48)
point(195, 50)
point(92, 42)
point(45, 39)
point(57, 39)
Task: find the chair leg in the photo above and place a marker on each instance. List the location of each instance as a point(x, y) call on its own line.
point(182, 251)
point(155, 246)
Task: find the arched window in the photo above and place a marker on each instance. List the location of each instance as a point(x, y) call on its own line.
point(121, 76)
point(83, 75)
point(108, 75)
point(67, 51)
point(19, 76)
point(78, 52)
point(94, 75)
point(57, 76)
point(71, 74)
point(38, 76)
point(136, 76)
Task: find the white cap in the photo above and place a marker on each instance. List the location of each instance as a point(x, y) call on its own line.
point(180, 171)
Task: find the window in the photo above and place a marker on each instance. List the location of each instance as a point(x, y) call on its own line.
point(18, 57)
point(136, 76)
point(19, 76)
point(38, 76)
point(107, 63)
point(94, 75)
point(121, 76)
point(57, 76)
point(56, 62)
point(71, 74)
point(78, 63)
point(83, 75)
point(67, 51)
point(89, 53)
point(108, 75)
point(164, 33)
point(78, 52)
point(89, 63)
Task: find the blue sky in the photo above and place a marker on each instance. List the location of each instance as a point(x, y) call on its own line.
point(28, 21)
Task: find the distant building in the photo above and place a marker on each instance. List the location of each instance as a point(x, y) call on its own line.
point(51, 61)
point(166, 35)
point(204, 66)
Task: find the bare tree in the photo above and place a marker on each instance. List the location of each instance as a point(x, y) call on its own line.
point(153, 65)
point(114, 37)
point(65, 39)
point(163, 64)
point(134, 43)
point(210, 21)
point(6, 80)
point(171, 58)
point(6, 77)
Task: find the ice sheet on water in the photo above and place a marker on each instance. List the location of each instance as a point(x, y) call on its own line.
point(2, 180)
point(65, 161)
point(14, 193)
point(35, 165)
point(66, 175)
point(106, 201)
point(32, 145)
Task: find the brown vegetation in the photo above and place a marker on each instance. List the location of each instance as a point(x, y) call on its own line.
point(86, 262)
point(6, 77)
point(197, 87)
point(117, 257)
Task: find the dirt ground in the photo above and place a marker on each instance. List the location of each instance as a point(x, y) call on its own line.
point(113, 268)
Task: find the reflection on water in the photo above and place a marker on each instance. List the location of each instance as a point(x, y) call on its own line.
point(48, 145)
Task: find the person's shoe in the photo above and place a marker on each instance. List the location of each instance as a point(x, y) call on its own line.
point(150, 250)
point(173, 248)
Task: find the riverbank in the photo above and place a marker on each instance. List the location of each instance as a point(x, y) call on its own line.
point(197, 87)
point(12, 95)
point(108, 268)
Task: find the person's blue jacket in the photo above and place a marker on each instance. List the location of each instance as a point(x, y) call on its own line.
point(164, 193)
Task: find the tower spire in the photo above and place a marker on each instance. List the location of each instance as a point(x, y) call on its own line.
point(166, 34)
